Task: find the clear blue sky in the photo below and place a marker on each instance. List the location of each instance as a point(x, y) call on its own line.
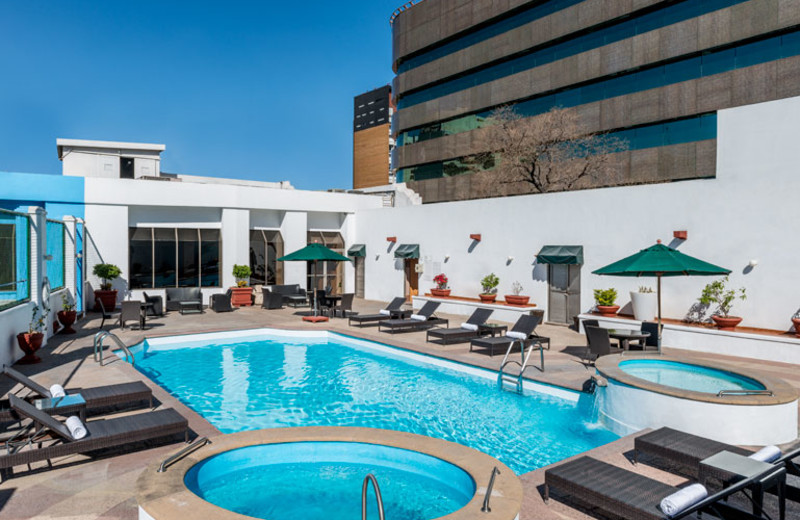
point(257, 90)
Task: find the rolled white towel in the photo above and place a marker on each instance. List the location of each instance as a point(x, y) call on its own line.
point(767, 454)
point(419, 317)
point(469, 326)
point(683, 499)
point(76, 428)
point(517, 335)
point(57, 391)
point(385, 312)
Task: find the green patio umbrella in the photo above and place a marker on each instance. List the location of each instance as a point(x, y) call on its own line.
point(660, 260)
point(314, 253)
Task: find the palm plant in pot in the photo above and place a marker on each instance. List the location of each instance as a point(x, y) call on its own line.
point(67, 314)
point(605, 300)
point(441, 288)
point(644, 303)
point(108, 296)
point(515, 298)
point(489, 285)
point(717, 292)
point(242, 294)
point(31, 341)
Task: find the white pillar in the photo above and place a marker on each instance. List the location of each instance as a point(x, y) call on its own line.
point(235, 242)
point(71, 275)
point(38, 264)
point(349, 235)
point(294, 230)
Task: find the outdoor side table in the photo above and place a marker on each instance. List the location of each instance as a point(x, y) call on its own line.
point(67, 405)
point(400, 314)
point(728, 468)
point(194, 307)
point(625, 336)
point(492, 328)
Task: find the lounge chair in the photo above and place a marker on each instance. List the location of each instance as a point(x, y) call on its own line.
point(622, 493)
point(394, 306)
point(221, 302)
point(97, 397)
point(459, 334)
point(108, 433)
point(526, 324)
point(423, 319)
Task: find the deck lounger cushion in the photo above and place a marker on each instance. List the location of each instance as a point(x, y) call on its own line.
point(683, 499)
point(469, 326)
point(767, 454)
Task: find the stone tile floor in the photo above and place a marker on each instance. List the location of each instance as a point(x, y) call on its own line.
point(103, 487)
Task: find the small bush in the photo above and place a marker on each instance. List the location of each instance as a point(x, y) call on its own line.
point(242, 274)
point(489, 283)
point(605, 297)
point(107, 273)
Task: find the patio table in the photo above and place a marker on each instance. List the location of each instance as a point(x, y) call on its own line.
point(625, 336)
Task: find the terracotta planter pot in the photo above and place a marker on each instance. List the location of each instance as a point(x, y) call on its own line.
point(608, 310)
point(726, 322)
point(796, 322)
point(29, 344)
point(109, 299)
point(441, 293)
point(488, 298)
point(514, 299)
point(241, 296)
point(67, 318)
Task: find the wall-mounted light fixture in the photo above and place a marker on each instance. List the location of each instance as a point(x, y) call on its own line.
point(753, 262)
point(391, 239)
point(476, 237)
point(510, 259)
point(446, 257)
point(681, 235)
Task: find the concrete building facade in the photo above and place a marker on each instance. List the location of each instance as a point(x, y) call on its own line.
point(372, 141)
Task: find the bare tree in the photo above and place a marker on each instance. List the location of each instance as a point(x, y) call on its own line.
point(549, 152)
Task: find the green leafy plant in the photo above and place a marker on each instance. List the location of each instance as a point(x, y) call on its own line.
point(718, 292)
point(645, 289)
point(107, 273)
point(516, 288)
point(605, 297)
point(242, 274)
point(489, 283)
point(66, 302)
point(38, 320)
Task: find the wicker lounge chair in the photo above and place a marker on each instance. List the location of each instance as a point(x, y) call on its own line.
point(526, 324)
point(412, 324)
point(221, 302)
point(459, 334)
point(361, 319)
point(599, 344)
point(109, 433)
point(622, 493)
point(97, 397)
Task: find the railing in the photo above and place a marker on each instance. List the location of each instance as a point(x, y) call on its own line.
point(402, 8)
point(723, 393)
point(199, 443)
point(525, 357)
point(486, 508)
point(98, 346)
point(370, 478)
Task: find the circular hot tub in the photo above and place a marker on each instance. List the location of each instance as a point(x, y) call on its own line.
point(317, 474)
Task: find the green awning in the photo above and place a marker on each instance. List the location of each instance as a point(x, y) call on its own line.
point(407, 251)
point(560, 255)
point(359, 250)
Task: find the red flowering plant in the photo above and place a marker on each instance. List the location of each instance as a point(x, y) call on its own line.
point(440, 280)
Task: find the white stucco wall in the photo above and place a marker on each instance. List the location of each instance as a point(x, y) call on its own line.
point(748, 212)
point(294, 229)
point(235, 242)
point(12, 322)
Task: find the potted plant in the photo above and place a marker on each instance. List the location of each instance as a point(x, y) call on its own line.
point(242, 294)
point(31, 341)
point(718, 293)
point(489, 285)
point(515, 298)
point(107, 274)
point(644, 303)
point(605, 300)
point(67, 314)
point(441, 290)
point(796, 321)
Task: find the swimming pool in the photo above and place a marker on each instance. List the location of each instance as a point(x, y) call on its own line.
point(687, 376)
point(249, 380)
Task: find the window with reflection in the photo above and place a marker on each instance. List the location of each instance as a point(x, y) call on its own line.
point(188, 258)
point(322, 275)
point(141, 258)
point(210, 247)
point(266, 246)
point(160, 258)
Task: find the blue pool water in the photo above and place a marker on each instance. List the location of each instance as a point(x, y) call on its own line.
point(687, 376)
point(322, 481)
point(272, 381)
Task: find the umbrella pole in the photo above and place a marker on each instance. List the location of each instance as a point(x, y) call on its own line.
point(659, 312)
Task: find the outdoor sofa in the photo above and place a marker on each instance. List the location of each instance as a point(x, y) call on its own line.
point(178, 295)
point(293, 295)
point(525, 325)
point(628, 495)
point(462, 333)
point(53, 439)
point(423, 319)
point(393, 306)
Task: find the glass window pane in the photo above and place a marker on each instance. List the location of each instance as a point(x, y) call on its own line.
point(258, 258)
point(164, 267)
point(188, 258)
point(8, 257)
point(210, 257)
point(140, 249)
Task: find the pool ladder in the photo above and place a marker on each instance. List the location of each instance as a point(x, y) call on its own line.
point(370, 478)
point(98, 346)
point(504, 379)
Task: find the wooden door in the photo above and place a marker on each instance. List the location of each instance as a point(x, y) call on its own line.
point(412, 278)
point(359, 277)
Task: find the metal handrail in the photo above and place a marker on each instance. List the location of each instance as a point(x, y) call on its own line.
point(199, 443)
point(98, 346)
point(723, 393)
point(13, 283)
point(371, 478)
point(488, 496)
point(523, 363)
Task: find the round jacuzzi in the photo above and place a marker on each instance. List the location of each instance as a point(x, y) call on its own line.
point(317, 473)
point(725, 403)
point(323, 481)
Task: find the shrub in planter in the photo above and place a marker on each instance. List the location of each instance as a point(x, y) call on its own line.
point(31, 341)
point(441, 288)
point(67, 314)
point(606, 301)
point(718, 292)
point(107, 274)
point(489, 285)
point(644, 303)
point(242, 294)
point(515, 298)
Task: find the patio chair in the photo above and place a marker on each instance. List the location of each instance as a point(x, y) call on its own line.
point(526, 324)
point(97, 397)
point(599, 344)
point(271, 300)
point(394, 305)
point(323, 303)
point(131, 310)
point(628, 495)
point(108, 433)
point(462, 333)
point(221, 302)
point(157, 308)
point(103, 313)
point(345, 306)
point(589, 323)
point(654, 340)
point(423, 319)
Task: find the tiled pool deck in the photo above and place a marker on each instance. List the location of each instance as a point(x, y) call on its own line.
point(104, 488)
